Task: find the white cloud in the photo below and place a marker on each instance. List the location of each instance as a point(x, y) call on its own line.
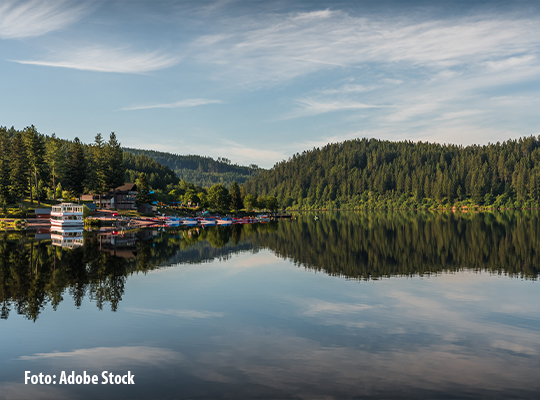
point(277, 49)
point(33, 18)
point(108, 59)
point(189, 314)
point(460, 114)
point(310, 106)
point(178, 104)
point(511, 62)
point(350, 88)
point(97, 357)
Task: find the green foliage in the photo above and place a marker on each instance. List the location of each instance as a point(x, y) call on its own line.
point(19, 168)
point(86, 211)
point(219, 198)
point(143, 190)
point(236, 197)
point(76, 169)
point(158, 176)
point(250, 201)
point(202, 171)
point(272, 203)
point(370, 173)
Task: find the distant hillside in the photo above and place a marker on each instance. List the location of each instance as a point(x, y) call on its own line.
point(199, 170)
point(370, 173)
point(159, 176)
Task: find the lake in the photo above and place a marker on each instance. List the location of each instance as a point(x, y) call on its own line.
point(352, 305)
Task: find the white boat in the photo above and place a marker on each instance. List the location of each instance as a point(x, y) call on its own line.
point(190, 222)
point(66, 215)
point(67, 237)
point(208, 222)
point(225, 221)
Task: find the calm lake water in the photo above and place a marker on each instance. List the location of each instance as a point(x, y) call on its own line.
point(354, 305)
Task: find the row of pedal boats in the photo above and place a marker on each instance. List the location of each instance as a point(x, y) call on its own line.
point(213, 221)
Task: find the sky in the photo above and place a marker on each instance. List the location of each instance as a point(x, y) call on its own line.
point(258, 81)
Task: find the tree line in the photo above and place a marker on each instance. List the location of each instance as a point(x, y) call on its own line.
point(46, 167)
point(371, 173)
point(201, 171)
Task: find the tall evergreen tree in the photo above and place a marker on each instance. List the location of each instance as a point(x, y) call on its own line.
point(143, 190)
point(5, 157)
point(76, 168)
point(97, 183)
point(35, 148)
point(19, 168)
point(54, 157)
point(236, 197)
point(115, 163)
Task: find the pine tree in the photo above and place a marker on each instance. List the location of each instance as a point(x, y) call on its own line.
point(36, 153)
point(19, 168)
point(54, 157)
point(97, 183)
point(5, 156)
point(76, 168)
point(116, 169)
point(236, 197)
point(143, 190)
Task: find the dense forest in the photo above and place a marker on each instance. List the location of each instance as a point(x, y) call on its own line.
point(199, 170)
point(45, 167)
point(371, 173)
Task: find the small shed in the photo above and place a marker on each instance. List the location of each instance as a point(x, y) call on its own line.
point(43, 213)
point(93, 207)
point(145, 208)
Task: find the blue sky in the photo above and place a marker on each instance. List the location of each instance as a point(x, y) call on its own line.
point(258, 81)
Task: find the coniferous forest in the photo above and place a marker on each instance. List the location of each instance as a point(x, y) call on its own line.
point(371, 173)
point(355, 174)
point(199, 170)
point(39, 167)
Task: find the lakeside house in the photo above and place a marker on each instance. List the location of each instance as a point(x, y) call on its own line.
point(121, 198)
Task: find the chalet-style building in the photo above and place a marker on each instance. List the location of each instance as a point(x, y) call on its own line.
point(121, 198)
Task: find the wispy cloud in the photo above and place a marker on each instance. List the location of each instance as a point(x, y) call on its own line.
point(350, 88)
point(33, 18)
point(309, 106)
point(107, 59)
point(96, 357)
point(178, 104)
point(286, 46)
point(189, 314)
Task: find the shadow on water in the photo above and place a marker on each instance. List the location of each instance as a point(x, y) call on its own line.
point(35, 272)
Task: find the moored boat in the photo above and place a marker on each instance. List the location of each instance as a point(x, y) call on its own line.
point(67, 215)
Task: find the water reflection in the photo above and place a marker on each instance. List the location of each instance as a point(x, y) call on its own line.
point(39, 269)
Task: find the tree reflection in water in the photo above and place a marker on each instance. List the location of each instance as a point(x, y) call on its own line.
point(34, 273)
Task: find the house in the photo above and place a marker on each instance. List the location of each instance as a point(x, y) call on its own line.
point(121, 198)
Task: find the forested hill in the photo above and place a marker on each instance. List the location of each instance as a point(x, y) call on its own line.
point(370, 173)
point(199, 170)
